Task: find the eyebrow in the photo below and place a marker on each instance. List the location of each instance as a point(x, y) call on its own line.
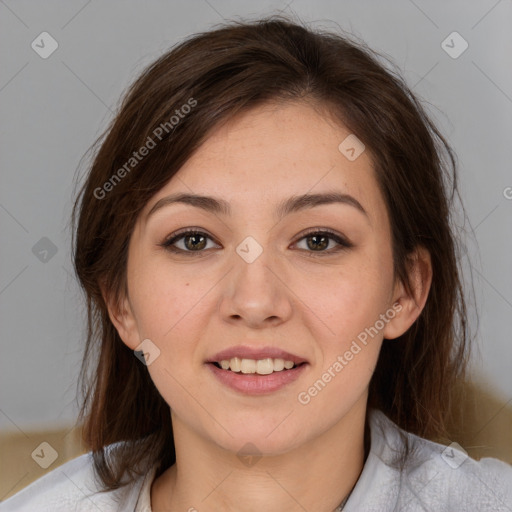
point(290, 205)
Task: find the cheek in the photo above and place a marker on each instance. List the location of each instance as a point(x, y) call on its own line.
point(350, 305)
point(168, 301)
point(349, 298)
point(172, 313)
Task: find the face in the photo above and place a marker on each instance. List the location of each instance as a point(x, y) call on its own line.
point(303, 280)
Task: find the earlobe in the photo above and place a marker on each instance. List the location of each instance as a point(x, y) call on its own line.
point(122, 317)
point(411, 301)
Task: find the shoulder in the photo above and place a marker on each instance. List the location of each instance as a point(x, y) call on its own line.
point(446, 478)
point(409, 473)
point(72, 486)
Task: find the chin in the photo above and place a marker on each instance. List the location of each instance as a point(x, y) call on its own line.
point(263, 438)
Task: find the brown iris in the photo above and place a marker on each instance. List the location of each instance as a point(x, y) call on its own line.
point(199, 242)
point(321, 240)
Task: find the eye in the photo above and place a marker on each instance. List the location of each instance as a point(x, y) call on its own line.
point(318, 240)
point(189, 240)
point(195, 241)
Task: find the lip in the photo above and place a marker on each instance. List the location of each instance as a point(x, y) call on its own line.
point(254, 384)
point(247, 352)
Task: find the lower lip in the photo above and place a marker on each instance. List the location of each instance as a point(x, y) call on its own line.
point(255, 384)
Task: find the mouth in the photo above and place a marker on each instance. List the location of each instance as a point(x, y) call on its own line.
point(256, 371)
point(266, 366)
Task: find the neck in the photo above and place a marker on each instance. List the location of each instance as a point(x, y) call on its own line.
point(317, 475)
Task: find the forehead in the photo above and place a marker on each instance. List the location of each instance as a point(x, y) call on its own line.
point(275, 151)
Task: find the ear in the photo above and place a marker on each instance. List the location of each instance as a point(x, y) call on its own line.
point(122, 317)
point(419, 268)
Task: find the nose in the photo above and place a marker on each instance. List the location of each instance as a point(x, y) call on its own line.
point(255, 293)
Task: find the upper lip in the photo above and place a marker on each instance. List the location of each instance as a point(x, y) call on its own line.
point(247, 352)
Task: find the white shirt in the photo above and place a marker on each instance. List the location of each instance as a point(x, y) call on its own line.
point(435, 478)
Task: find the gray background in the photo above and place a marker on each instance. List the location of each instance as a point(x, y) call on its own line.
point(51, 110)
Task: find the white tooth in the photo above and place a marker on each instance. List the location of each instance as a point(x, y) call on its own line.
point(278, 364)
point(264, 366)
point(234, 364)
point(248, 366)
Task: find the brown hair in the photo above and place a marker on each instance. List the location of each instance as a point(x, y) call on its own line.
point(226, 71)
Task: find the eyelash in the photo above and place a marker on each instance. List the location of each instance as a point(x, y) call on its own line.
point(178, 235)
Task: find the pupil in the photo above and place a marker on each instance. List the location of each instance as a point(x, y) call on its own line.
point(193, 245)
point(316, 239)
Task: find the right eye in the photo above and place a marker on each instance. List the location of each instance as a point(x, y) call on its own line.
point(191, 241)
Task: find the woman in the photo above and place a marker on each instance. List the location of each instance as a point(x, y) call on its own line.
point(275, 309)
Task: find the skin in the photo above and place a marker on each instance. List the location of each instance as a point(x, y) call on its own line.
point(193, 305)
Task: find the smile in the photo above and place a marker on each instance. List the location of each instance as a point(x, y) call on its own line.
point(251, 382)
point(260, 366)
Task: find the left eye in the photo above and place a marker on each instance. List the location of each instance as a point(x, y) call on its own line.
point(318, 241)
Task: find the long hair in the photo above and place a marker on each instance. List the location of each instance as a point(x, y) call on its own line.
point(218, 74)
